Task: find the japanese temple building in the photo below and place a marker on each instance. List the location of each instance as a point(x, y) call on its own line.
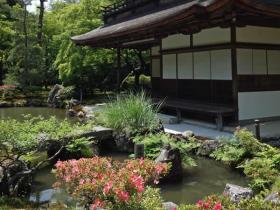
point(219, 57)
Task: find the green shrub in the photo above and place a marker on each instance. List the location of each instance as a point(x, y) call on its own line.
point(230, 153)
point(259, 161)
point(82, 146)
point(9, 203)
point(249, 142)
point(152, 199)
point(276, 185)
point(262, 171)
point(154, 142)
point(25, 143)
point(131, 114)
point(257, 203)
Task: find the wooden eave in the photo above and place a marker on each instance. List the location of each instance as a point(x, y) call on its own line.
point(186, 18)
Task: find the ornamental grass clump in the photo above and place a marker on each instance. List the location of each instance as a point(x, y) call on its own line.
point(101, 182)
point(131, 114)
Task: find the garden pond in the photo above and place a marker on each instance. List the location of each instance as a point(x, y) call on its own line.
point(209, 177)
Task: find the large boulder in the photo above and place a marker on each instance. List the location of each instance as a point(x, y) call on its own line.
point(208, 146)
point(169, 206)
point(173, 156)
point(273, 198)
point(123, 143)
point(237, 193)
point(54, 96)
point(21, 186)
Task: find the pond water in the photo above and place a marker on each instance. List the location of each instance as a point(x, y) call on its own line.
point(19, 112)
point(209, 177)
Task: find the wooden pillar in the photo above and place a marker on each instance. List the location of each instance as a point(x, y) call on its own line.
point(234, 72)
point(118, 69)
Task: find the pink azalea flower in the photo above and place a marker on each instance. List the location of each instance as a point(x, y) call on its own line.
point(107, 188)
point(218, 206)
point(199, 203)
point(122, 195)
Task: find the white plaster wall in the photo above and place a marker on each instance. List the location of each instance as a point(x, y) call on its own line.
point(155, 67)
point(155, 50)
point(212, 36)
point(259, 62)
point(253, 105)
point(221, 65)
point(273, 59)
point(202, 65)
point(185, 66)
point(256, 34)
point(245, 61)
point(176, 41)
point(169, 66)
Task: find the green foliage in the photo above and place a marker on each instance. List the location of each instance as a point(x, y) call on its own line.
point(131, 114)
point(276, 185)
point(257, 203)
point(20, 138)
point(10, 203)
point(154, 142)
point(81, 145)
point(229, 153)
point(249, 142)
point(242, 146)
point(129, 81)
point(262, 171)
point(151, 199)
point(23, 142)
point(259, 161)
point(79, 66)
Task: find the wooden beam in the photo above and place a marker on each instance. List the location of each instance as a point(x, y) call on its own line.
point(198, 48)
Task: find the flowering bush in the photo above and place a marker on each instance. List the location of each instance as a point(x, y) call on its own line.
point(101, 182)
point(215, 202)
point(212, 202)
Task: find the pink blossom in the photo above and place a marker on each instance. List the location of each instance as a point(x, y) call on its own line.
point(199, 203)
point(122, 195)
point(218, 206)
point(107, 188)
point(97, 203)
point(137, 182)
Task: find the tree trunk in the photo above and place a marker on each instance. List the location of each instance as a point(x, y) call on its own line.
point(141, 69)
point(40, 23)
point(25, 42)
point(1, 72)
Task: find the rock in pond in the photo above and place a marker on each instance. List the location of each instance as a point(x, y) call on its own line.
point(169, 206)
point(273, 198)
point(208, 146)
point(5, 104)
point(237, 193)
point(54, 96)
point(51, 196)
point(173, 156)
point(187, 134)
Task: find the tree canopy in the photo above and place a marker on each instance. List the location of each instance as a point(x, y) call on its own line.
point(25, 60)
